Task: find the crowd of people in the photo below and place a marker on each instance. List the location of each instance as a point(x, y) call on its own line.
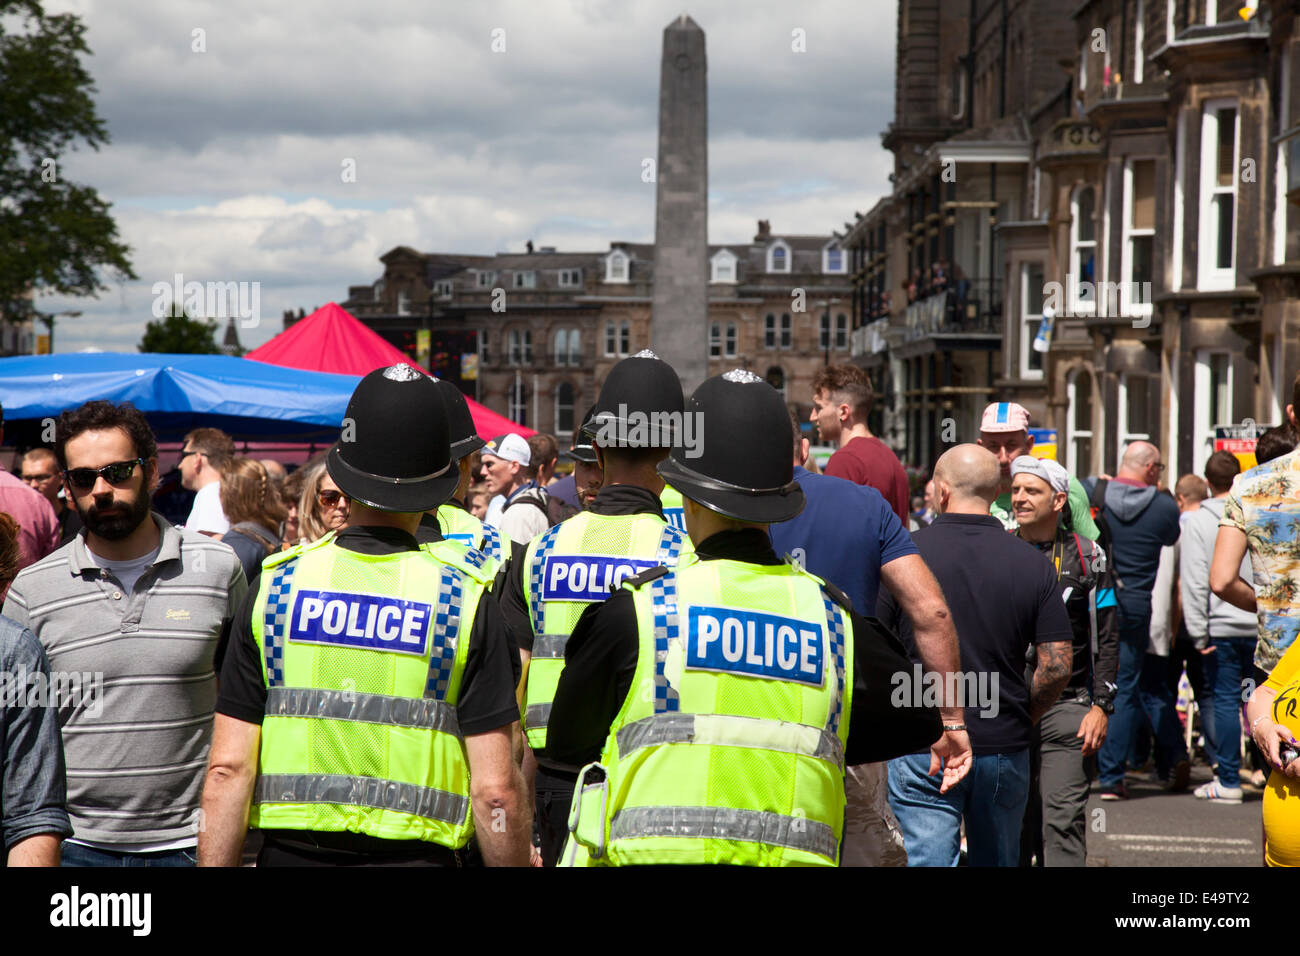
point(439, 650)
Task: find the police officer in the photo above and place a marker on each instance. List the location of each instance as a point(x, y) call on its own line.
point(587, 476)
point(722, 697)
point(367, 707)
point(452, 521)
point(578, 562)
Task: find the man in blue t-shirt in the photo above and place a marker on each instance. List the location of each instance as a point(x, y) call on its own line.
point(849, 535)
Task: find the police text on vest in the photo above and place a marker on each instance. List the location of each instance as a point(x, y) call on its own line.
point(361, 620)
point(588, 577)
point(749, 642)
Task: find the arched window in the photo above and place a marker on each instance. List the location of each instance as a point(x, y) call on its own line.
point(575, 347)
point(778, 257)
point(564, 409)
point(616, 266)
point(561, 346)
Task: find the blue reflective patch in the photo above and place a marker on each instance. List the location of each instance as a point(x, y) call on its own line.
point(361, 620)
point(761, 645)
point(676, 517)
point(466, 539)
point(586, 577)
point(1106, 598)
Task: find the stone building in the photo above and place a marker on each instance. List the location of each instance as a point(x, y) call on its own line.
point(531, 335)
point(1151, 218)
point(937, 265)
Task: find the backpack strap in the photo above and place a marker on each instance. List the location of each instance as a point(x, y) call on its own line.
point(256, 532)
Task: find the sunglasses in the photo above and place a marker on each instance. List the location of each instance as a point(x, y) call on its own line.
point(186, 454)
point(83, 479)
point(331, 499)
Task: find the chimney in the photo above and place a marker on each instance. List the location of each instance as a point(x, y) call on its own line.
point(764, 231)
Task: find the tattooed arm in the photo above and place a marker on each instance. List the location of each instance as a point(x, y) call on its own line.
point(1050, 677)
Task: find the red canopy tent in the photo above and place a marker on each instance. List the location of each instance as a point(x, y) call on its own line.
point(333, 340)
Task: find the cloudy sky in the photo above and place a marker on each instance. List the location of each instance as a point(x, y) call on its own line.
point(227, 164)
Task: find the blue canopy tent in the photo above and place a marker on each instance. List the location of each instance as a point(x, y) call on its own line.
point(247, 400)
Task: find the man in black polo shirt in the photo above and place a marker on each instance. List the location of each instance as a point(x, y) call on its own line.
point(1004, 597)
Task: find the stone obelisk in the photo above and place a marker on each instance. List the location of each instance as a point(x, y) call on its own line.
point(680, 308)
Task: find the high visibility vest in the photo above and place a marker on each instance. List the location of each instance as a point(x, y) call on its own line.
point(675, 513)
point(457, 524)
point(574, 564)
point(729, 747)
point(363, 657)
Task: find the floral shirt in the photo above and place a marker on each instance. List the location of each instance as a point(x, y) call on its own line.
point(1264, 505)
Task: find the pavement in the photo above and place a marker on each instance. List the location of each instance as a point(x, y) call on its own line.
point(1160, 829)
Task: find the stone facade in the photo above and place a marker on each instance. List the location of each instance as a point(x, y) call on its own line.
point(546, 326)
point(1147, 209)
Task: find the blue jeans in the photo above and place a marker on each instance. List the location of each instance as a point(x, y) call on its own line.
point(991, 799)
point(1234, 662)
point(74, 854)
point(1142, 690)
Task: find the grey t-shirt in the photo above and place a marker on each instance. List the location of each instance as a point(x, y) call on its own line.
point(136, 745)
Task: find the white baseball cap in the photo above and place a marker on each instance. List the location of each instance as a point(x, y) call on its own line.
point(510, 447)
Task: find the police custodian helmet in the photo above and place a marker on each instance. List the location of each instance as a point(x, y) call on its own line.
point(743, 467)
point(639, 403)
point(460, 423)
point(395, 452)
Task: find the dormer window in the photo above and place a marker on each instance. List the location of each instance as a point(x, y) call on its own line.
point(442, 288)
point(778, 257)
point(724, 267)
point(570, 278)
point(526, 280)
point(833, 258)
point(616, 266)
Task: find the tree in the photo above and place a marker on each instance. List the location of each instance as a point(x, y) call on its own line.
point(55, 236)
point(180, 333)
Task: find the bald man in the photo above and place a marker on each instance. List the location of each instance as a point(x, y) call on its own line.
point(1142, 520)
point(1003, 597)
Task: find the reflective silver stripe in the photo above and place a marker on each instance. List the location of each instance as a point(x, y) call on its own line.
point(536, 716)
point(715, 823)
point(549, 646)
point(724, 730)
point(421, 713)
point(342, 790)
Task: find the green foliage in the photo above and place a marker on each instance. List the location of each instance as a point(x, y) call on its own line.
point(180, 333)
point(55, 236)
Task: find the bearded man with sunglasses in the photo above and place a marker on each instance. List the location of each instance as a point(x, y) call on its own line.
point(134, 614)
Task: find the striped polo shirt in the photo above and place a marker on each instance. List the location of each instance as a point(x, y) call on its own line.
point(138, 684)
